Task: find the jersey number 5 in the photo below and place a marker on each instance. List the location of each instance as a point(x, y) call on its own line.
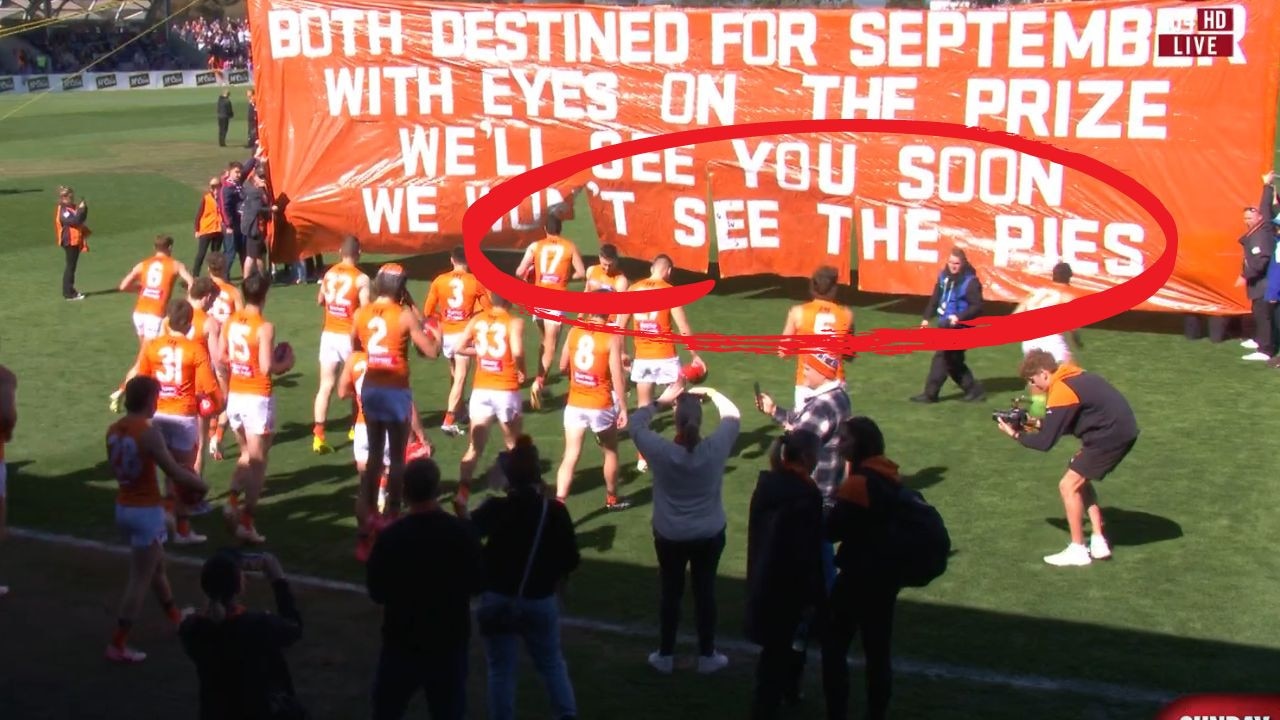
point(824, 323)
point(238, 342)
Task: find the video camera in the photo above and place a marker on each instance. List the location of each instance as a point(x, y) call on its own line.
point(1017, 416)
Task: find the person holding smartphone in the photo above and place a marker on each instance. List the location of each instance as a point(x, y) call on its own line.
point(239, 653)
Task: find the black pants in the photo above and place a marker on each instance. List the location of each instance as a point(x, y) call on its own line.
point(205, 243)
point(702, 557)
point(778, 673)
point(233, 243)
point(442, 675)
point(1263, 331)
point(950, 363)
point(69, 271)
point(858, 606)
point(223, 124)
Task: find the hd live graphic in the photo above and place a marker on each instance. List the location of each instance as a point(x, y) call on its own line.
point(1204, 31)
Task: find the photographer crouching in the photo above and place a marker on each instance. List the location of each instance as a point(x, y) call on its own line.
point(1085, 405)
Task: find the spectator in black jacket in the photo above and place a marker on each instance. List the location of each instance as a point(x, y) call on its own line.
point(239, 653)
point(1259, 246)
point(863, 597)
point(225, 113)
point(232, 199)
point(254, 215)
point(252, 119)
point(423, 570)
point(531, 550)
point(786, 583)
point(957, 298)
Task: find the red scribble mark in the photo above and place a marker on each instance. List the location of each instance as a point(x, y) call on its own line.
point(982, 331)
point(1224, 706)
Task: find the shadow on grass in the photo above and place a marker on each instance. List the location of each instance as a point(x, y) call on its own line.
point(1131, 527)
point(312, 534)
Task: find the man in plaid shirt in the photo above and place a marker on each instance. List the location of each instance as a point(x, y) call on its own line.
point(822, 414)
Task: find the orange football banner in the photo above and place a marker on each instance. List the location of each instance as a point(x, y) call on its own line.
point(386, 119)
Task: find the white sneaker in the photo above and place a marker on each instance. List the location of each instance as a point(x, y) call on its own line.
point(117, 398)
point(662, 663)
point(191, 538)
point(1249, 344)
point(1098, 548)
point(641, 466)
point(712, 663)
point(1256, 356)
point(250, 535)
point(1074, 556)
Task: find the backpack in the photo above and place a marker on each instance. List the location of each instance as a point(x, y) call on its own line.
point(913, 543)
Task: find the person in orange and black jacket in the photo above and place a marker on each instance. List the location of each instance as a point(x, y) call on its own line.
point(1085, 405)
point(863, 597)
point(208, 224)
point(786, 582)
point(73, 237)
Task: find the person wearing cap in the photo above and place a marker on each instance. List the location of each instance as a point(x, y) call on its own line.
point(238, 652)
point(688, 512)
point(828, 405)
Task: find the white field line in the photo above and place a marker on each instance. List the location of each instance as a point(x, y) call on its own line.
point(1086, 688)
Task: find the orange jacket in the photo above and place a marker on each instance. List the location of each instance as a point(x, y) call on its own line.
point(70, 228)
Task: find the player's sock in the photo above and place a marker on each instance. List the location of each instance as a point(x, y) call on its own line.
point(318, 430)
point(121, 635)
point(184, 525)
point(171, 611)
point(246, 519)
point(233, 499)
point(448, 418)
point(561, 500)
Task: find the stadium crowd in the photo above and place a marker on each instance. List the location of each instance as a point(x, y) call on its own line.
point(224, 41)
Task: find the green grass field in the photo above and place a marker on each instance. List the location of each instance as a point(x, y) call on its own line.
point(1182, 608)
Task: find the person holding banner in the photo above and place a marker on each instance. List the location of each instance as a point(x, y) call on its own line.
point(957, 297)
point(1258, 245)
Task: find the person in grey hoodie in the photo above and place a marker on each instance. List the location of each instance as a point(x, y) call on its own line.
point(688, 512)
